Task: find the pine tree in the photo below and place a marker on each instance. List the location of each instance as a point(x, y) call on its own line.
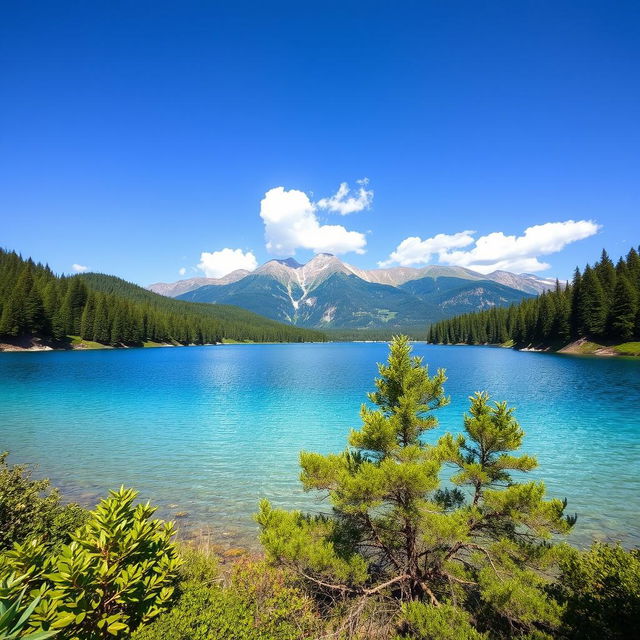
point(87, 321)
point(562, 321)
point(12, 320)
point(34, 311)
point(592, 309)
point(606, 272)
point(546, 318)
point(575, 298)
point(633, 265)
point(396, 535)
point(624, 309)
point(50, 298)
point(101, 327)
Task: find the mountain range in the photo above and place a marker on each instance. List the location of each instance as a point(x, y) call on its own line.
point(328, 293)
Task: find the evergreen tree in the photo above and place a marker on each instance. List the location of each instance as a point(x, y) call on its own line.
point(561, 325)
point(592, 309)
point(396, 535)
point(633, 265)
point(50, 298)
point(12, 320)
point(87, 320)
point(607, 274)
point(575, 297)
point(546, 318)
point(624, 309)
point(101, 326)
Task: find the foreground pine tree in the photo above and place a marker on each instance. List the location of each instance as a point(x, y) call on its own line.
point(457, 561)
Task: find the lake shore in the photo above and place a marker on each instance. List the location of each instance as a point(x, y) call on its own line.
point(75, 343)
point(582, 347)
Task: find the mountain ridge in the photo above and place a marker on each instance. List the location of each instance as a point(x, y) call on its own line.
point(329, 293)
point(393, 276)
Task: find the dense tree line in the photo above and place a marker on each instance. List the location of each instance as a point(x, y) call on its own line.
point(36, 302)
point(602, 303)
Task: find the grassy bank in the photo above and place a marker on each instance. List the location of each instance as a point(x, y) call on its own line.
point(589, 348)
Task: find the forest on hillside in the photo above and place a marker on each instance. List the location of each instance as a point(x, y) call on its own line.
point(602, 304)
point(100, 308)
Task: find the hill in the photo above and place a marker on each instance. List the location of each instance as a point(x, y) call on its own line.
point(108, 310)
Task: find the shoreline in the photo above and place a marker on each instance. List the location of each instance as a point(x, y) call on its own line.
point(35, 345)
point(582, 347)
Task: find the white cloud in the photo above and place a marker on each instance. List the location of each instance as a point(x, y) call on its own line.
point(345, 204)
point(182, 271)
point(220, 263)
point(291, 223)
point(495, 250)
point(414, 250)
point(79, 268)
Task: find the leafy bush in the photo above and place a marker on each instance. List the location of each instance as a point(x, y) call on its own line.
point(424, 622)
point(14, 616)
point(116, 574)
point(259, 603)
point(31, 508)
point(601, 589)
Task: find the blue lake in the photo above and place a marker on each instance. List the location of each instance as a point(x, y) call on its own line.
point(211, 430)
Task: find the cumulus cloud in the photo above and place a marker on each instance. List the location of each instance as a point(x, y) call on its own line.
point(220, 263)
point(182, 271)
point(291, 223)
point(414, 250)
point(495, 250)
point(79, 268)
point(343, 203)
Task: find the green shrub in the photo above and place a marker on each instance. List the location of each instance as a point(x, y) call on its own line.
point(15, 614)
point(31, 508)
point(424, 622)
point(116, 574)
point(259, 603)
point(601, 589)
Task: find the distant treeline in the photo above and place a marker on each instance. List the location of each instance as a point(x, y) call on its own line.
point(601, 304)
point(36, 302)
point(373, 335)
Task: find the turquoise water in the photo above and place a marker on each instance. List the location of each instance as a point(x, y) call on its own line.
point(211, 430)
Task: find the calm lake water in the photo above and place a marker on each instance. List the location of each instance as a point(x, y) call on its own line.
point(211, 430)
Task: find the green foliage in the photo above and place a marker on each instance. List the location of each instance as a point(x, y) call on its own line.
point(624, 309)
point(14, 616)
point(31, 508)
point(117, 573)
point(601, 589)
point(446, 622)
point(602, 303)
point(108, 310)
point(483, 543)
point(259, 603)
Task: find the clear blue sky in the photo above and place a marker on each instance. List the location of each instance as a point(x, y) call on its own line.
point(137, 135)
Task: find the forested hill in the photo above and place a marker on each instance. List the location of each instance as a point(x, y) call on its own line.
point(101, 308)
point(601, 304)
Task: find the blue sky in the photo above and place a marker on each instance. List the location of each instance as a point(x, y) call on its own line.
point(138, 136)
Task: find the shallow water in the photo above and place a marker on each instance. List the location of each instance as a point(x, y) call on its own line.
point(211, 430)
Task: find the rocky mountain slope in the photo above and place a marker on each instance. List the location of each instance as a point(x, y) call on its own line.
point(326, 292)
point(174, 289)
